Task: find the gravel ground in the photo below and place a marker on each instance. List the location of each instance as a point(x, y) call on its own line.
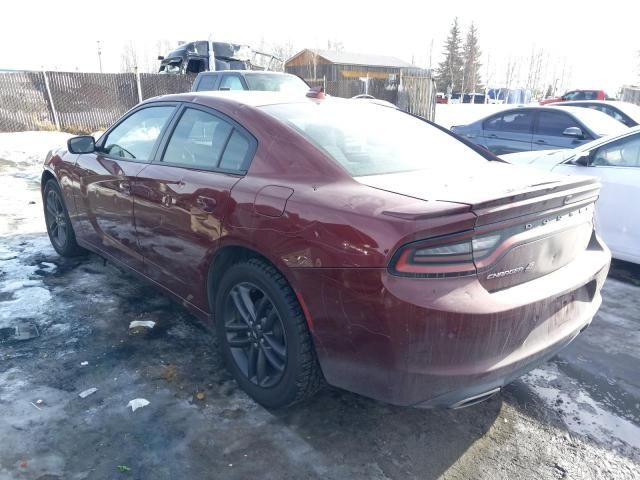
point(64, 328)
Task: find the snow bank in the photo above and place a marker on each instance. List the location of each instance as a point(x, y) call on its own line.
point(28, 149)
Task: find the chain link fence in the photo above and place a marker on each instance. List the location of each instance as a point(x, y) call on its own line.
point(415, 94)
point(75, 101)
point(631, 94)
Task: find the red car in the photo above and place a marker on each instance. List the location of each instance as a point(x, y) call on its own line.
point(578, 95)
point(336, 240)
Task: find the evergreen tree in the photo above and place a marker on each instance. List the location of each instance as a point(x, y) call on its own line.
point(471, 61)
point(449, 71)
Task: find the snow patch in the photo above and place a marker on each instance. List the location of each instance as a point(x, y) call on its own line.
point(581, 413)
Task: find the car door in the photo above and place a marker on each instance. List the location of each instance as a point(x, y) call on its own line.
point(181, 198)
point(617, 165)
point(104, 198)
point(549, 130)
point(508, 132)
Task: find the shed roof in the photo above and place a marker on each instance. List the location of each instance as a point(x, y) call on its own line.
point(349, 58)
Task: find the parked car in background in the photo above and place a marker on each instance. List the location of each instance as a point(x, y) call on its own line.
point(441, 97)
point(578, 95)
point(625, 112)
point(336, 239)
point(538, 128)
point(249, 80)
point(615, 161)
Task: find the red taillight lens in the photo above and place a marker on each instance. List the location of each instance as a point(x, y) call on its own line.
point(444, 258)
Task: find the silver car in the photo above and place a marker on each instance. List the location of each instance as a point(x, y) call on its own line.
point(538, 128)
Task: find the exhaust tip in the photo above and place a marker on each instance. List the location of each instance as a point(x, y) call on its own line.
point(481, 397)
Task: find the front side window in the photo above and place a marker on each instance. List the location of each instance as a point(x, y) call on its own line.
point(198, 140)
point(231, 82)
point(135, 137)
point(621, 153)
point(519, 122)
point(554, 123)
point(368, 139)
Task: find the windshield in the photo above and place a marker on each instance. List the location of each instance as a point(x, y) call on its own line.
point(273, 82)
point(369, 139)
point(601, 123)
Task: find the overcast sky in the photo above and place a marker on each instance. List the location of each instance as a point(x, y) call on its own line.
point(597, 42)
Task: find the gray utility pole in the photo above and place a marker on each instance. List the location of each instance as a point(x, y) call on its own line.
point(99, 55)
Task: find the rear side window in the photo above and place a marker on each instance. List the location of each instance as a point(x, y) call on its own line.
point(205, 141)
point(207, 83)
point(198, 140)
point(519, 122)
point(135, 137)
point(554, 123)
point(237, 154)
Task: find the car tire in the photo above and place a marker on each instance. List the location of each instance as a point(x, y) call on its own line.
point(264, 336)
point(59, 228)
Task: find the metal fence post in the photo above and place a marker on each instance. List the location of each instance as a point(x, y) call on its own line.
point(138, 85)
point(50, 97)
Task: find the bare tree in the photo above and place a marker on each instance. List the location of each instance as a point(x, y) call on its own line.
point(129, 58)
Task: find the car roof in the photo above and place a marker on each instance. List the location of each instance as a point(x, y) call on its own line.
point(251, 98)
point(247, 72)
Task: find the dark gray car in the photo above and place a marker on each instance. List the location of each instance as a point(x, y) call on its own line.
point(538, 128)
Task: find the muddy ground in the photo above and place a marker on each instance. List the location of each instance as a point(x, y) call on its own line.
point(578, 416)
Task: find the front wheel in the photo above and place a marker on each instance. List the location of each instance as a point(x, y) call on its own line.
point(59, 227)
point(264, 336)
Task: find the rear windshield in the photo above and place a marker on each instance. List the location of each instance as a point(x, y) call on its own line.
point(269, 82)
point(600, 123)
point(369, 139)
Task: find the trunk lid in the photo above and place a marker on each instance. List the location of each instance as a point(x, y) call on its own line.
point(528, 223)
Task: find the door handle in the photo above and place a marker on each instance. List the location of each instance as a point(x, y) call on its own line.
point(540, 142)
point(493, 135)
point(206, 204)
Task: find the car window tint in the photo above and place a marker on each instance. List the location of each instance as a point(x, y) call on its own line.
point(231, 82)
point(621, 153)
point(136, 136)
point(510, 122)
point(207, 82)
point(237, 154)
point(367, 139)
point(198, 140)
point(554, 123)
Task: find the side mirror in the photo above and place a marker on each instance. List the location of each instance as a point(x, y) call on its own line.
point(81, 144)
point(160, 57)
point(582, 160)
point(573, 132)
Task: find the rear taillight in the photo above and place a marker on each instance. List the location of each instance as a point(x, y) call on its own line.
point(446, 257)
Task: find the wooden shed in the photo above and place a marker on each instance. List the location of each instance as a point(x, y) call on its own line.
point(313, 65)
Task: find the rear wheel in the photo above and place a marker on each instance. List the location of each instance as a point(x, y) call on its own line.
point(59, 227)
point(264, 336)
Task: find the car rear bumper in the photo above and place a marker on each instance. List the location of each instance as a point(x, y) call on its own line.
point(441, 342)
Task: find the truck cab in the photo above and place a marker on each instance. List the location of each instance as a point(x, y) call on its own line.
point(203, 56)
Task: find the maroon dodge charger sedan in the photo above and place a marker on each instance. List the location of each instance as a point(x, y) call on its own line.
point(338, 241)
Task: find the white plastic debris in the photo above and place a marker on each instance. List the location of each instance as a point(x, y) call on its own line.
point(86, 393)
point(142, 323)
point(84, 364)
point(137, 403)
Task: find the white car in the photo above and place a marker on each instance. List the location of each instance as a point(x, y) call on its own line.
point(615, 160)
